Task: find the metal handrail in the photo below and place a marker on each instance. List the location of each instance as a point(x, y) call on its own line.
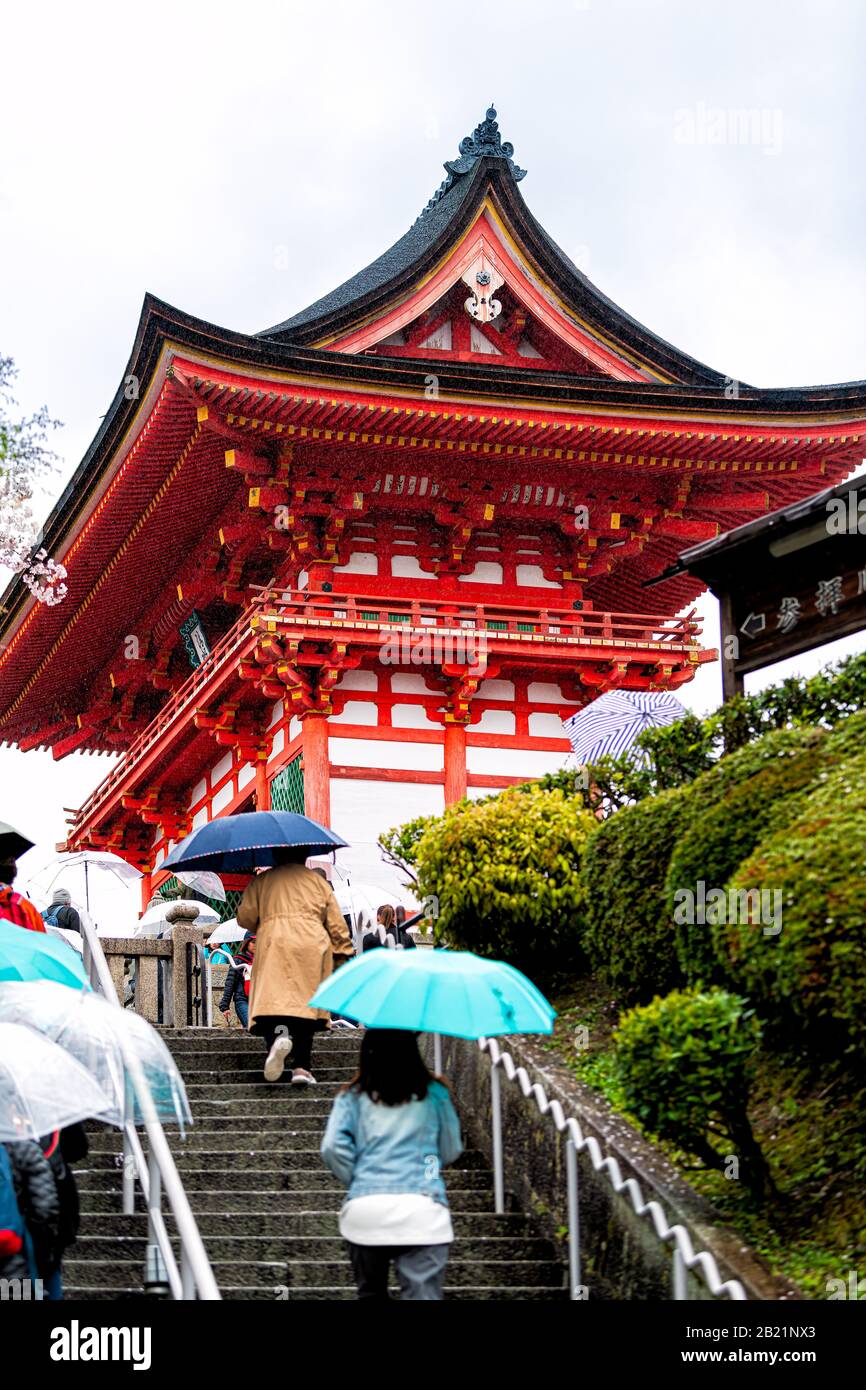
point(156, 1170)
point(684, 1255)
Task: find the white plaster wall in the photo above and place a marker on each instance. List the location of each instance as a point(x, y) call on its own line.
point(495, 721)
point(411, 717)
point(513, 762)
point(279, 742)
point(540, 693)
point(374, 752)
point(532, 577)
point(356, 712)
point(409, 567)
point(361, 811)
point(246, 774)
point(276, 713)
point(496, 690)
point(403, 683)
point(546, 726)
point(485, 572)
point(360, 562)
point(197, 792)
point(200, 818)
point(358, 680)
point(223, 767)
point(294, 727)
point(222, 798)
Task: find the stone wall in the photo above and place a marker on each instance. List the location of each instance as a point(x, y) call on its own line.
point(622, 1258)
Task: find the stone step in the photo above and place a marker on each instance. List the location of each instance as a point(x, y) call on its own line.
point(227, 1131)
point(312, 1274)
point(252, 1057)
point(253, 1076)
point(264, 1293)
point(183, 1040)
point(319, 1202)
point(258, 1179)
point(295, 1222)
point(257, 1089)
point(279, 1157)
point(279, 1103)
point(329, 1250)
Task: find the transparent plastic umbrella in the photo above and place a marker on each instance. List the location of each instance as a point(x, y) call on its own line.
point(229, 931)
point(96, 1034)
point(42, 1086)
point(202, 881)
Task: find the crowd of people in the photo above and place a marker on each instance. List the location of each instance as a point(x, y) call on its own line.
point(38, 1193)
point(391, 1129)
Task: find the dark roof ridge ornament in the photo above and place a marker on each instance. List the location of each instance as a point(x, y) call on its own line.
point(484, 142)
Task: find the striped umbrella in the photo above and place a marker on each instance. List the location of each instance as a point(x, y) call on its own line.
point(611, 724)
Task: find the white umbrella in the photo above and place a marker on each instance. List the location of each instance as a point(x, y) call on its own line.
point(95, 1034)
point(202, 881)
point(154, 919)
point(42, 1087)
point(72, 938)
point(102, 860)
point(229, 931)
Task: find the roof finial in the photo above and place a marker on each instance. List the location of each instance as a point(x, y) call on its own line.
point(484, 142)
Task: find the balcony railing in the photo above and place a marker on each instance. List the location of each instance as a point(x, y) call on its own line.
point(370, 619)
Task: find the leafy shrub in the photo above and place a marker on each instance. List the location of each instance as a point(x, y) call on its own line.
point(685, 1065)
point(506, 873)
point(722, 833)
point(813, 972)
point(629, 936)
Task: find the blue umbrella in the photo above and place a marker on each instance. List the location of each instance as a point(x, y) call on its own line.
point(33, 955)
point(611, 724)
point(239, 844)
point(452, 992)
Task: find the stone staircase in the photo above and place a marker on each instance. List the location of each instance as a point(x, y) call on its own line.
point(265, 1203)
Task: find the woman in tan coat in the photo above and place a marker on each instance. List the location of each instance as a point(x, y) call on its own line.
point(300, 936)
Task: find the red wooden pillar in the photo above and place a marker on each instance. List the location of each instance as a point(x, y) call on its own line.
point(317, 779)
point(263, 787)
point(455, 763)
point(146, 889)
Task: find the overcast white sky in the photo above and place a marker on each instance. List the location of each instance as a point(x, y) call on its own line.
point(239, 161)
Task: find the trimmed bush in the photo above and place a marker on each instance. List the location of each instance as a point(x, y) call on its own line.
point(813, 972)
point(506, 872)
point(685, 1065)
point(721, 834)
point(629, 937)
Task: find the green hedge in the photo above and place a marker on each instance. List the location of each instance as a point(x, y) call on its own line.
point(506, 873)
point(813, 972)
point(685, 1066)
point(760, 784)
point(629, 938)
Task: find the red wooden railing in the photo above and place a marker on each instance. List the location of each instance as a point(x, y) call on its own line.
point(315, 613)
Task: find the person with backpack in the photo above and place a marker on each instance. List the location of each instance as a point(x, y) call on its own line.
point(61, 913)
point(14, 907)
point(391, 1131)
point(29, 1212)
point(237, 986)
point(62, 1148)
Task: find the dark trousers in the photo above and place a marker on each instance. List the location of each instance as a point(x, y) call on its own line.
point(420, 1270)
point(300, 1030)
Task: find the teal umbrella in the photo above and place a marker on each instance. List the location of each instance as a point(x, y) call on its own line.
point(34, 955)
point(451, 992)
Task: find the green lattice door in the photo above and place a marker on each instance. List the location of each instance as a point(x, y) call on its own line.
point(287, 788)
